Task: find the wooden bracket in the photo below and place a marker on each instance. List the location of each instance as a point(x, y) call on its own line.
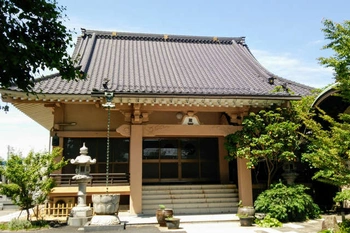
point(136, 116)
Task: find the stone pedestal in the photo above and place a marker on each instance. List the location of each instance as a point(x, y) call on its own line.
point(106, 208)
point(104, 220)
point(79, 216)
point(106, 204)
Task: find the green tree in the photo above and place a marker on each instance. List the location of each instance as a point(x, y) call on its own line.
point(339, 37)
point(329, 139)
point(328, 148)
point(33, 38)
point(29, 182)
point(270, 136)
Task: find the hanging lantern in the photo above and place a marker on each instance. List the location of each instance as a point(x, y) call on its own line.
point(55, 140)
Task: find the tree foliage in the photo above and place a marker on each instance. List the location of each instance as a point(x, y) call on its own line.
point(33, 38)
point(339, 37)
point(29, 182)
point(328, 138)
point(329, 148)
point(270, 136)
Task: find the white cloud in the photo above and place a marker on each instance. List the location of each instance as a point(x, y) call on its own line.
point(295, 69)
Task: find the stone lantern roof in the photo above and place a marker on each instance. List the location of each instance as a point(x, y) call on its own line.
point(83, 158)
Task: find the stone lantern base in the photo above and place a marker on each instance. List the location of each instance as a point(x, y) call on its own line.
point(79, 216)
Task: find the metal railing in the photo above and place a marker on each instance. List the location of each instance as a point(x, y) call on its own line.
point(98, 179)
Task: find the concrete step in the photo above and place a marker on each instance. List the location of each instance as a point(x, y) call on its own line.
point(189, 187)
point(191, 199)
point(176, 206)
point(190, 196)
point(188, 191)
point(220, 210)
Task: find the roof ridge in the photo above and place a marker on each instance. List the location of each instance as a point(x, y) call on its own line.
point(46, 77)
point(165, 37)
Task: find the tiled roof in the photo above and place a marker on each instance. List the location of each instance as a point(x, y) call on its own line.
point(154, 64)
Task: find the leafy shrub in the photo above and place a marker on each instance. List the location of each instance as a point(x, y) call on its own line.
point(326, 231)
point(3, 226)
point(18, 224)
point(287, 203)
point(268, 221)
point(42, 223)
point(342, 196)
point(21, 224)
point(344, 226)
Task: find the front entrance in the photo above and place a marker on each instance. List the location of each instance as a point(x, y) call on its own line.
point(182, 160)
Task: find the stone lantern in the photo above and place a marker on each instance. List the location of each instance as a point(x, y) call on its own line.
point(81, 213)
point(289, 173)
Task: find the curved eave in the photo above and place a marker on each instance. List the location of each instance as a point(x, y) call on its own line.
point(329, 91)
point(37, 112)
point(199, 100)
point(40, 107)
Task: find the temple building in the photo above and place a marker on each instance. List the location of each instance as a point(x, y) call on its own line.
point(176, 98)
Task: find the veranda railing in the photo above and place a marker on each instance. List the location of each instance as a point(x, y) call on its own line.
point(98, 179)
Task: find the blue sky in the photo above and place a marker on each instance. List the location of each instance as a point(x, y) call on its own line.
point(285, 36)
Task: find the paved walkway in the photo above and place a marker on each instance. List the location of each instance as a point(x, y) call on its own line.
point(218, 223)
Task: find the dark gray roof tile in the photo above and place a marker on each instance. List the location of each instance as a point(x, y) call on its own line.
point(150, 64)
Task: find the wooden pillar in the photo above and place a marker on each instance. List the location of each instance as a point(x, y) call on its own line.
point(136, 169)
point(58, 116)
point(223, 163)
point(245, 188)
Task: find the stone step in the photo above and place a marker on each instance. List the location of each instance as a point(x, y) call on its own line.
point(219, 210)
point(193, 191)
point(176, 206)
point(186, 187)
point(191, 199)
point(191, 196)
point(186, 195)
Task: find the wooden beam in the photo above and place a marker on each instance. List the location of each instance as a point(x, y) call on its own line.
point(158, 130)
point(87, 134)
